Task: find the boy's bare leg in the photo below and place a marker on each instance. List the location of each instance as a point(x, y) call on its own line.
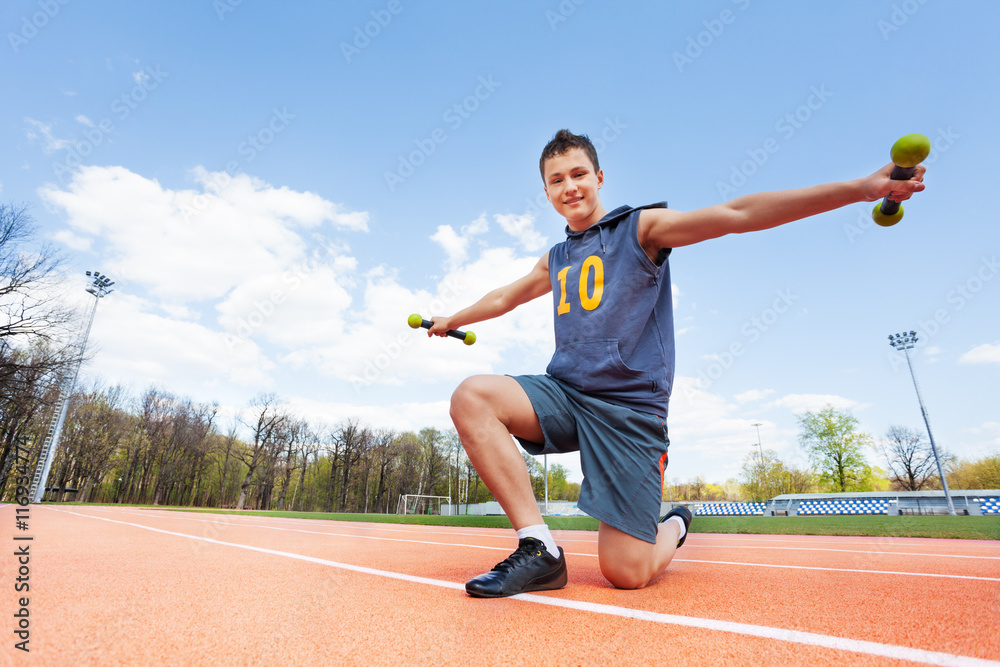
point(487, 410)
point(628, 562)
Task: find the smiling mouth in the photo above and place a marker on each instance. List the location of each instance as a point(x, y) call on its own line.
point(575, 200)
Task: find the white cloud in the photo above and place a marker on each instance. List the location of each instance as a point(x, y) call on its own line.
point(379, 350)
point(455, 247)
point(411, 416)
point(933, 353)
point(815, 402)
point(477, 226)
point(456, 244)
point(753, 395)
point(193, 244)
point(43, 132)
point(72, 241)
point(138, 347)
point(982, 354)
point(712, 435)
point(522, 228)
point(83, 120)
point(293, 309)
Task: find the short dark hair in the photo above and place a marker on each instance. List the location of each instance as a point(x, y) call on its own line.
point(563, 141)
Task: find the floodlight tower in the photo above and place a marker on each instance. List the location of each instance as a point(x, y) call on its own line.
point(763, 466)
point(757, 425)
point(905, 342)
point(99, 287)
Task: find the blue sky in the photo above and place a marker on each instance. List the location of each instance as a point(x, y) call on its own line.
point(276, 186)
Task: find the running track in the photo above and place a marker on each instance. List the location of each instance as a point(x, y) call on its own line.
point(130, 586)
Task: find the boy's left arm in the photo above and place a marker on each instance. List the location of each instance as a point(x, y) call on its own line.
point(665, 228)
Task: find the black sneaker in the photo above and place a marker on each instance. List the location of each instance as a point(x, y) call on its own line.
point(685, 515)
point(530, 568)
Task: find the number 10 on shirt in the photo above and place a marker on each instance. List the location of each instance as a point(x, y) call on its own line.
point(588, 300)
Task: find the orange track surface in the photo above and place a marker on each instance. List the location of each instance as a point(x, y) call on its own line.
point(128, 586)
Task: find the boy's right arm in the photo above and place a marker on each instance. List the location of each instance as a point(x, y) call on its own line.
point(500, 301)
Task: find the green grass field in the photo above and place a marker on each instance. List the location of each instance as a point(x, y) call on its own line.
point(950, 527)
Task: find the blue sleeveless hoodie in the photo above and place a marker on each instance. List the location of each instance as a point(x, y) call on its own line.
point(613, 314)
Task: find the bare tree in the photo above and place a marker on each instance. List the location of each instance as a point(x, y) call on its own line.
point(30, 301)
point(383, 453)
point(296, 432)
point(269, 417)
point(434, 455)
point(94, 431)
point(309, 448)
point(29, 381)
point(228, 448)
point(910, 458)
point(351, 442)
point(34, 327)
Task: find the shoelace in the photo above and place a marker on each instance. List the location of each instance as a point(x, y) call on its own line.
point(525, 551)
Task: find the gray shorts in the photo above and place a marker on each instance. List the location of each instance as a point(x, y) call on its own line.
point(623, 452)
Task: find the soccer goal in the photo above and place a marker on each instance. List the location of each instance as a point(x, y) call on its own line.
point(414, 504)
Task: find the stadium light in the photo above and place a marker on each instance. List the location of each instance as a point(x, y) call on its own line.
point(99, 288)
point(757, 425)
point(905, 342)
point(763, 466)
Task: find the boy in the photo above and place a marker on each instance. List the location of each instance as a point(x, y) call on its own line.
point(606, 389)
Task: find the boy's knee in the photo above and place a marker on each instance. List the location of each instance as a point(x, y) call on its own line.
point(625, 578)
point(466, 397)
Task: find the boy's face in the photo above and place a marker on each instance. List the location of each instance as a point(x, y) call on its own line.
point(571, 185)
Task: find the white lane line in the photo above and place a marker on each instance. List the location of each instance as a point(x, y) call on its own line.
point(761, 631)
point(846, 551)
point(838, 569)
point(568, 553)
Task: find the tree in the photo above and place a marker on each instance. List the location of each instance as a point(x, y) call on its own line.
point(30, 304)
point(383, 452)
point(95, 429)
point(800, 481)
point(434, 455)
point(35, 326)
point(270, 418)
point(763, 476)
point(981, 474)
point(297, 432)
point(836, 449)
point(559, 487)
point(910, 458)
point(29, 383)
point(354, 441)
point(762, 480)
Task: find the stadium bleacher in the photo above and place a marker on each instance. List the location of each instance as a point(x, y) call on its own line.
point(856, 506)
point(731, 509)
point(988, 505)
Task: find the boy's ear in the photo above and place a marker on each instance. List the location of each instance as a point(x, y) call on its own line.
point(600, 177)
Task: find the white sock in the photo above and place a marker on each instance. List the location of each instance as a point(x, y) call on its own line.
point(540, 532)
point(680, 522)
